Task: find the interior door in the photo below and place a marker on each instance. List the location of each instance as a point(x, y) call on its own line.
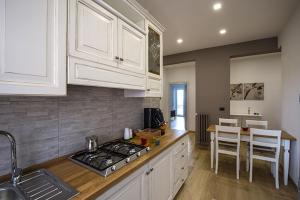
point(92, 33)
point(131, 46)
point(161, 178)
point(33, 47)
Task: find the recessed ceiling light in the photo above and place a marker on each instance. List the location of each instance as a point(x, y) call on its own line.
point(223, 31)
point(179, 41)
point(217, 6)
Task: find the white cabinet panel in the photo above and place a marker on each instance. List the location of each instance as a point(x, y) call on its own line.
point(92, 32)
point(132, 191)
point(84, 72)
point(134, 187)
point(154, 87)
point(131, 48)
point(161, 183)
point(33, 47)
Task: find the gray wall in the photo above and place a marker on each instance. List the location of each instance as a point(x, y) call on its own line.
point(213, 73)
point(48, 127)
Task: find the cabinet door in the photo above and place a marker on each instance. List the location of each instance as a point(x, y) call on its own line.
point(161, 183)
point(92, 32)
point(154, 51)
point(33, 47)
point(154, 87)
point(134, 187)
point(131, 44)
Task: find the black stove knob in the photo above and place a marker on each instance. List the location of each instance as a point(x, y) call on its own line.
point(127, 160)
point(113, 168)
point(138, 154)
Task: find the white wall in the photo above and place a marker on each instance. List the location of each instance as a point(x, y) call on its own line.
point(181, 73)
point(261, 69)
point(289, 40)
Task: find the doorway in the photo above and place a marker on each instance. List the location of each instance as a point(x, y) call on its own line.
point(178, 107)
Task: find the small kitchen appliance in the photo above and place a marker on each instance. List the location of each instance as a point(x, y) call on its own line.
point(153, 118)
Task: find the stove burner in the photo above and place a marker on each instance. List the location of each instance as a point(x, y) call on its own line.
point(109, 161)
point(110, 156)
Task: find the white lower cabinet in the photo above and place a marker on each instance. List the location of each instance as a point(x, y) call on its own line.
point(135, 187)
point(160, 179)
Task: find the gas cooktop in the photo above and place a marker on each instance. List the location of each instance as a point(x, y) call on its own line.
point(110, 156)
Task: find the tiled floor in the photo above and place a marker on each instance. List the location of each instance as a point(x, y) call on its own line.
point(204, 184)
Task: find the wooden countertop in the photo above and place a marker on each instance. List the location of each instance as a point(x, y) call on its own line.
point(284, 134)
point(89, 183)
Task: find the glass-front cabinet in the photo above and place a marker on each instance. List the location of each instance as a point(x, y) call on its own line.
point(153, 51)
point(154, 64)
point(154, 61)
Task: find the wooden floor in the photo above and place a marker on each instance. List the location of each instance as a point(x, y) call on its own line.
point(204, 184)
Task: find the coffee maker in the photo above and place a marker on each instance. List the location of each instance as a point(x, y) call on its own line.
point(153, 118)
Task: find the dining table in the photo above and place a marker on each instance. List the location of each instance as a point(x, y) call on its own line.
point(286, 139)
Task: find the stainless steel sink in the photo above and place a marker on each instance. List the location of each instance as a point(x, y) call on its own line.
point(9, 192)
point(39, 185)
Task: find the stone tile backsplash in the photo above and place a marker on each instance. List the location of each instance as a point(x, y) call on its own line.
point(48, 127)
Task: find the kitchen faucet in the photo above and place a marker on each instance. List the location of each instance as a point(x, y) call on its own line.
point(15, 171)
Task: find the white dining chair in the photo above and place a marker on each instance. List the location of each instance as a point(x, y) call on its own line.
point(268, 139)
point(228, 142)
point(257, 124)
point(260, 125)
point(228, 122)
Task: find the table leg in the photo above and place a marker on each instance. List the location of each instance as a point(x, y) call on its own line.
point(212, 148)
point(286, 145)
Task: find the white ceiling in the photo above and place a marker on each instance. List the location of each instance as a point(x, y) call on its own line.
point(198, 24)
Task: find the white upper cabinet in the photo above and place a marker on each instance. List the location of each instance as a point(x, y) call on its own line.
point(104, 50)
point(33, 47)
point(154, 51)
point(92, 33)
point(154, 64)
point(131, 48)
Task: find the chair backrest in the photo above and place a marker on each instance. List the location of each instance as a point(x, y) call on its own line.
point(257, 124)
point(228, 134)
point(228, 122)
point(266, 138)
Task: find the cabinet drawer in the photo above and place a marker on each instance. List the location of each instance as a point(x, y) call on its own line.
point(181, 144)
point(178, 184)
point(180, 164)
point(82, 72)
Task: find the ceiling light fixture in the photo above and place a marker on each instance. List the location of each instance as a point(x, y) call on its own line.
point(223, 31)
point(179, 41)
point(217, 6)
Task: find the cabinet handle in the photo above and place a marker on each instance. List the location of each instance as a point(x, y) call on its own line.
point(117, 58)
point(121, 59)
point(182, 143)
point(182, 180)
point(182, 168)
point(148, 90)
point(182, 156)
point(148, 172)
